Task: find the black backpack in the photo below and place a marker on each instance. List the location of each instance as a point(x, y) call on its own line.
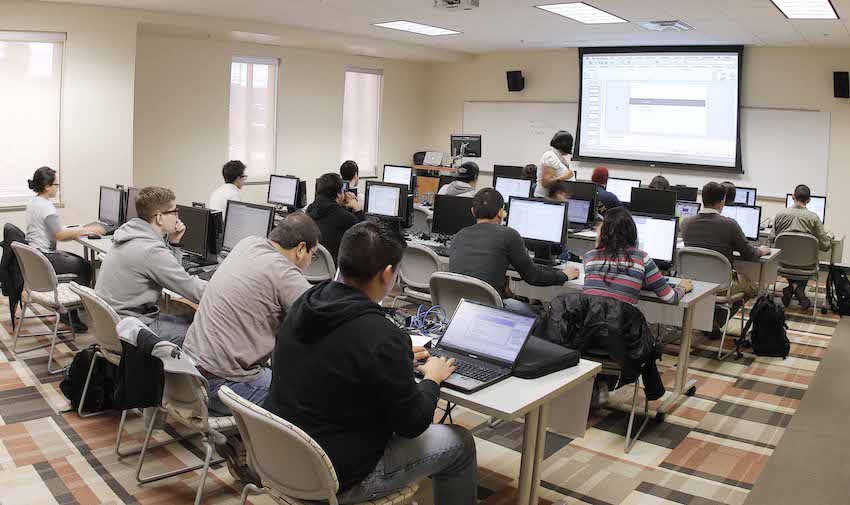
point(769, 337)
point(99, 394)
point(838, 291)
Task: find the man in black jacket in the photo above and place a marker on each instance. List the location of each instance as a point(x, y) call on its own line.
point(343, 373)
point(330, 211)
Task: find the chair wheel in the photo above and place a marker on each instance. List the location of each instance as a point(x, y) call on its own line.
point(692, 391)
point(659, 417)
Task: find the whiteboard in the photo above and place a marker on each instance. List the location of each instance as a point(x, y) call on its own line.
point(780, 148)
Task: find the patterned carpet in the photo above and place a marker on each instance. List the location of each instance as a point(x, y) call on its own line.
point(710, 450)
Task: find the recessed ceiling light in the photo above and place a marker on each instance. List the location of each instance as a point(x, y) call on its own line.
point(806, 9)
point(407, 26)
point(582, 13)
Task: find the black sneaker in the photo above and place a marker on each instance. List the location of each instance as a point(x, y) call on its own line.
point(787, 293)
point(234, 453)
point(73, 320)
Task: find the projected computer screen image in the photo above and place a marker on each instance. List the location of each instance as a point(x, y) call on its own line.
point(487, 331)
point(817, 204)
point(109, 210)
point(745, 196)
point(656, 236)
point(622, 188)
point(509, 187)
point(538, 220)
point(384, 199)
point(662, 105)
point(579, 211)
point(748, 218)
point(398, 175)
point(283, 190)
point(687, 209)
point(245, 220)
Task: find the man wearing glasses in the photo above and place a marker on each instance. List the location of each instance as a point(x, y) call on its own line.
point(234, 178)
point(144, 259)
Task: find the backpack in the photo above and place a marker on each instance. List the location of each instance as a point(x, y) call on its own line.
point(838, 291)
point(769, 337)
point(100, 392)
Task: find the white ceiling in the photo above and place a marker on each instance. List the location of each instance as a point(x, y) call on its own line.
point(516, 24)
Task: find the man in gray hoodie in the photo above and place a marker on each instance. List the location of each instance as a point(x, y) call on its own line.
point(141, 263)
point(464, 183)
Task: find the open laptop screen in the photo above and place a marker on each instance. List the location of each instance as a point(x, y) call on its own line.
point(488, 332)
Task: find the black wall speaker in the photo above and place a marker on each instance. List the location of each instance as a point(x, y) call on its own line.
point(516, 82)
point(841, 82)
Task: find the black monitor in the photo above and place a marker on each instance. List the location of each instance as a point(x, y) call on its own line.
point(622, 188)
point(451, 214)
point(468, 146)
point(396, 174)
point(748, 218)
point(445, 179)
point(283, 190)
point(657, 236)
point(301, 199)
point(244, 220)
point(130, 205)
point(512, 186)
point(686, 193)
point(660, 202)
point(582, 190)
point(508, 171)
point(817, 204)
point(542, 223)
point(110, 210)
point(195, 240)
point(386, 200)
point(745, 196)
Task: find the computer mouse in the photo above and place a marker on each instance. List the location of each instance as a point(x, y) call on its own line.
point(425, 236)
point(94, 237)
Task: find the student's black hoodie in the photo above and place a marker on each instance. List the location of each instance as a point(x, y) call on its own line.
point(333, 221)
point(343, 373)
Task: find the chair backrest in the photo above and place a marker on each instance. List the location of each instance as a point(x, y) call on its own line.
point(799, 250)
point(187, 396)
point(103, 318)
point(447, 289)
point(287, 460)
point(704, 265)
point(421, 222)
point(37, 271)
point(417, 266)
point(322, 267)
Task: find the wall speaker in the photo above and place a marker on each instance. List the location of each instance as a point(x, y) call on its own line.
point(516, 82)
point(841, 82)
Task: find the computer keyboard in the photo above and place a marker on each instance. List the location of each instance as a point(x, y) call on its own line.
point(472, 370)
point(441, 250)
point(188, 264)
point(206, 274)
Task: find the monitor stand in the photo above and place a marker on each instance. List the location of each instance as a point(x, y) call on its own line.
point(543, 254)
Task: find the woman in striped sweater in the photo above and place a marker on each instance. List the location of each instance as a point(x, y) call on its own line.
point(618, 269)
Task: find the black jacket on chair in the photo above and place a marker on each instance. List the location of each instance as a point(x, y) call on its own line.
point(11, 278)
point(586, 322)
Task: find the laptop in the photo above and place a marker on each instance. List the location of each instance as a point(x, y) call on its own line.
point(485, 341)
point(433, 159)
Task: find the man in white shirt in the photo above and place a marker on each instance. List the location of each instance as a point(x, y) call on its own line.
point(234, 177)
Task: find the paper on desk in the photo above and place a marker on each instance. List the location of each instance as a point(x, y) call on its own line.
point(420, 340)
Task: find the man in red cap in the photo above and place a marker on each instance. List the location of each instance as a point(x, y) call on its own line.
point(604, 198)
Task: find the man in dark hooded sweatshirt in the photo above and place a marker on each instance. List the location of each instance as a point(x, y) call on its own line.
point(343, 373)
point(330, 211)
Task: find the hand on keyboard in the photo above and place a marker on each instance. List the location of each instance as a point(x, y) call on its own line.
point(437, 369)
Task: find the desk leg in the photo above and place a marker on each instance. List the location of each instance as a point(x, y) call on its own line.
point(529, 447)
point(542, 423)
point(682, 383)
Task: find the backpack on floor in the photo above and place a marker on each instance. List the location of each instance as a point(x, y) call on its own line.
point(838, 291)
point(769, 337)
point(99, 394)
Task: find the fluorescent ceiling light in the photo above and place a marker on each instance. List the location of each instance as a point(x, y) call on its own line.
point(806, 9)
point(582, 13)
point(407, 26)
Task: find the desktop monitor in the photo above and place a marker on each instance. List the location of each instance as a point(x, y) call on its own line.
point(817, 204)
point(747, 216)
point(451, 214)
point(580, 211)
point(445, 179)
point(582, 190)
point(508, 171)
point(386, 200)
point(467, 146)
point(686, 193)
point(111, 202)
point(512, 186)
point(395, 174)
point(654, 201)
point(130, 209)
point(687, 209)
point(246, 220)
point(539, 220)
point(283, 190)
point(745, 196)
point(196, 219)
point(622, 188)
point(657, 236)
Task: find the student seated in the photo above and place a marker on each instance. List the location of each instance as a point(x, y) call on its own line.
point(710, 230)
point(487, 250)
point(530, 173)
point(799, 219)
point(464, 183)
point(731, 192)
point(659, 182)
point(604, 198)
point(350, 173)
point(144, 259)
point(330, 211)
point(234, 177)
point(343, 373)
point(44, 229)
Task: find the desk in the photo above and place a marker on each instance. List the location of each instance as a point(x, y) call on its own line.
point(568, 391)
point(91, 248)
point(429, 185)
point(766, 268)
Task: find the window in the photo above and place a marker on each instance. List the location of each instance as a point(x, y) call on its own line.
point(30, 102)
point(361, 116)
point(253, 114)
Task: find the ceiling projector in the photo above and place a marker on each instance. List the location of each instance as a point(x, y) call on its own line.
point(456, 4)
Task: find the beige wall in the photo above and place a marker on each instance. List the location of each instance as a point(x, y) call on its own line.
point(773, 77)
point(182, 88)
point(96, 144)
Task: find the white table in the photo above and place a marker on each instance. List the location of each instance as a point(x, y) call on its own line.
point(93, 247)
point(765, 269)
point(569, 390)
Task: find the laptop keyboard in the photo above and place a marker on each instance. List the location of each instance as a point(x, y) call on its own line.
point(472, 370)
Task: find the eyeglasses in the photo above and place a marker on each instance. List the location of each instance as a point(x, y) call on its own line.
point(175, 211)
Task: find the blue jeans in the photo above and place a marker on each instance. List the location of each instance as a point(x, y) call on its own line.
point(168, 327)
point(255, 391)
point(445, 453)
